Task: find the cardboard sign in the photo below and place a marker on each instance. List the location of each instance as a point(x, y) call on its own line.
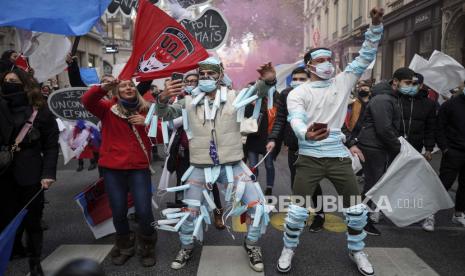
point(66, 104)
point(211, 29)
point(125, 6)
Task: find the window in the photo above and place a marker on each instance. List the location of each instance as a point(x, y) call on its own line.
point(92, 61)
point(425, 48)
point(398, 54)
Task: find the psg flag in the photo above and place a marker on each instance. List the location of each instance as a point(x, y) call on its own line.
point(161, 46)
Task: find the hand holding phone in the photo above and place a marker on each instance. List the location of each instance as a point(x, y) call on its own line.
point(177, 76)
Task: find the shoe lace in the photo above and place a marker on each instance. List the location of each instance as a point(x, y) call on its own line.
point(362, 259)
point(287, 253)
point(255, 254)
point(182, 255)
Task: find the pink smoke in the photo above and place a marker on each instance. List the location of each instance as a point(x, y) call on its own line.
point(277, 27)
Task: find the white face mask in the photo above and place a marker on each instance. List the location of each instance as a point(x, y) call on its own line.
point(294, 84)
point(323, 70)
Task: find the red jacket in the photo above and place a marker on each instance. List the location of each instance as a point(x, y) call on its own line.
point(120, 148)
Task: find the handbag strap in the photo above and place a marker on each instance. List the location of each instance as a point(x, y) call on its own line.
point(25, 129)
point(144, 149)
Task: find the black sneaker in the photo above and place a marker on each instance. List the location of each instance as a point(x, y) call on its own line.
point(371, 229)
point(255, 257)
point(317, 224)
point(80, 168)
point(181, 259)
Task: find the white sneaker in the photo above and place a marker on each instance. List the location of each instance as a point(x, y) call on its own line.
point(285, 260)
point(460, 219)
point(428, 224)
point(376, 217)
point(363, 264)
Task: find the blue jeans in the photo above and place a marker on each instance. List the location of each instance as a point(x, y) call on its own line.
point(118, 183)
point(269, 165)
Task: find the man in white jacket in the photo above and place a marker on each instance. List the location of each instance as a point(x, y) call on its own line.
point(316, 112)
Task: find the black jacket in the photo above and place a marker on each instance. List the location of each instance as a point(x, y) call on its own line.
point(282, 130)
point(451, 124)
point(256, 142)
point(381, 122)
point(418, 120)
point(38, 154)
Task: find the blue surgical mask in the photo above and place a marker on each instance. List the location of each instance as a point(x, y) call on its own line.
point(207, 86)
point(324, 70)
point(294, 84)
point(410, 90)
point(189, 88)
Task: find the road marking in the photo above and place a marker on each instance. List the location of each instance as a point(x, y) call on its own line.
point(225, 261)
point(66, 253)
point(398, 261)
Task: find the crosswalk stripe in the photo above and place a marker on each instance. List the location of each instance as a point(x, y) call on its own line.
point(66, 253)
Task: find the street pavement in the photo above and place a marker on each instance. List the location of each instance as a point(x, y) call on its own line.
point(398, 251)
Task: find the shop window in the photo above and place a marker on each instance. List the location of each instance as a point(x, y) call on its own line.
point(425, 48)
point(398, 54)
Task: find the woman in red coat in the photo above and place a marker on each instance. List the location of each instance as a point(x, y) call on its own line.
point(125, 159)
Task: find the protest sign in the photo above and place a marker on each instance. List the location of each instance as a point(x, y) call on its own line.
point(66, 104)
point(211, 29)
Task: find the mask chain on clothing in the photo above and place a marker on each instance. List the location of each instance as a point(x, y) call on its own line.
point(410, 119)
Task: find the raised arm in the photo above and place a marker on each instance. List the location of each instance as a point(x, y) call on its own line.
point(173, 88)
point(367, 53)
point(93, 99)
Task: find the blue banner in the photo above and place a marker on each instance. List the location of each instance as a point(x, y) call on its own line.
point(89, 76)
point(66, 17)
point(7, 238)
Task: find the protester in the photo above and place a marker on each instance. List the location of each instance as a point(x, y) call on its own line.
point(215, 149)
point(282, 132)
point(7, 60)
point(125, 160)
point(34, 163)
point(317, 112)
point(451, 141)
point(378, 139)
point(359, 106)
point(256, 142)
point(46, 90)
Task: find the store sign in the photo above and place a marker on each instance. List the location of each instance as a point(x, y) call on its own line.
point(423, 18)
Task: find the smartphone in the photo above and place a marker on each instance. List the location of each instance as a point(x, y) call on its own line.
point(177, 76)
point(318, 126)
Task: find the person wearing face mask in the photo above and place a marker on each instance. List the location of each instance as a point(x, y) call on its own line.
point(418, 125)
point(125, 160)
point(359, 106)
point(212, 123)
point(317, 111)
point(21, 104)
point(282, 132)
point(381, 125)
point(451, 141)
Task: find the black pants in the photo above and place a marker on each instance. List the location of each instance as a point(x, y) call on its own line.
point(375, 165)
point(291, 159)
point(12, 199)
point(453, 165)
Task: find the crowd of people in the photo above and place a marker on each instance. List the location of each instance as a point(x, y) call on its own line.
point(323, 119)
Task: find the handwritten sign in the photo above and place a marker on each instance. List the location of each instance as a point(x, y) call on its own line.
point(210, 29)
point(188, 3)
point(66, 104)
point(125, 6)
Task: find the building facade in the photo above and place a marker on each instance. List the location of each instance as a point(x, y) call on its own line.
point(453, 29)
point(411, 27)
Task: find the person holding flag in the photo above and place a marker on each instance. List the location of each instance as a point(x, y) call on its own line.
point(212, 123)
